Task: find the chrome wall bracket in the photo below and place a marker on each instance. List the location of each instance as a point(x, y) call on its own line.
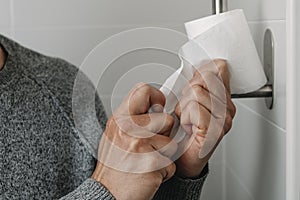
point(269, 64)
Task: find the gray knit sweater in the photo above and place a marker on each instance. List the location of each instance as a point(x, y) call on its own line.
point(41, 154)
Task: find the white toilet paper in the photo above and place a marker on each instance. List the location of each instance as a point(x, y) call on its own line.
point(225, 36)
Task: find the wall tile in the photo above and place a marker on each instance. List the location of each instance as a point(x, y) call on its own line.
point(37, 13)
point(71, 44)
point(255, 153)
point(278, 113)
point(256, 10)
point(234, 188)
point(255, 149)
point(149, 66)
point(213, 187)
point(5, 14)
point(74, 44)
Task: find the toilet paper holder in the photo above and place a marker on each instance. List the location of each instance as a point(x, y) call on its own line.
point(266, 91)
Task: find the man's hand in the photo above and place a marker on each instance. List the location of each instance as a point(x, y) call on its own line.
point(133, 160)
point(2, 57)
point(200, 111)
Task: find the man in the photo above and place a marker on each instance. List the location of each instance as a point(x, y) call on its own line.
point(42, 156)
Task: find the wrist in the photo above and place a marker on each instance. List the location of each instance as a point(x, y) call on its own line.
point(195, 173)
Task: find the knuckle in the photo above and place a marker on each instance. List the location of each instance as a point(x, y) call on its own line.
point(208, 75)
point(184, 118)
point(139, 85)
point(198, 90)
point(169, 120)
point(200, 137)
point(138, 143)
point(142, 88)
point(110, 122)
point(233, 109)
point(145, 87)
point(204, 128)
point(178, 110)
point(200, 132)
point(171, 169)
point(228, 121)
point(221, 63)
point(191, 105)
point(197, 74)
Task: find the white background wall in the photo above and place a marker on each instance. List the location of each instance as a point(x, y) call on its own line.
point(250, 164)
point(255, 150)
point(293, 96)
point(72, 28)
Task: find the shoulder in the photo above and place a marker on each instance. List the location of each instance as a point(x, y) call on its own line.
point(55, 74)
point(50, 70)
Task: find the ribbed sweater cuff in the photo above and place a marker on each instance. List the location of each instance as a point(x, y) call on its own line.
point(180, 188)
point(89, 190)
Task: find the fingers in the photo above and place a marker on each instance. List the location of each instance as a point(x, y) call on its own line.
point(164, 145)
point(139, 140)
point(168, 171)
point(153, 123)
point(207, 95)
point(208, 81)
point(194, 93)
point(223, 72)
point(219, 68)
point(141, 98)
point(160, 123)
point(203, 97)
point(194, 114)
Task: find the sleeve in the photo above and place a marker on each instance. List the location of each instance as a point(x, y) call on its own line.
point(182, 189)
point(89, 190)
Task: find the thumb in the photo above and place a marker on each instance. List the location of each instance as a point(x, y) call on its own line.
point(140, 99)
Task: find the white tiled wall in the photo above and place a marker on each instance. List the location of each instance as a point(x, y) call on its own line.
point(5, 17)
point(293, 96)
point(106, 12)
point(260, 10)
point(72, 28)
point(249, 164)
point(255, 148)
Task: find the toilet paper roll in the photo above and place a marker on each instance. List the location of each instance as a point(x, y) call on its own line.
point(226, 36)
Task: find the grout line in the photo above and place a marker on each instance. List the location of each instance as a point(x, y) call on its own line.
point(12, 18)
point(260, 115)
point(236, 177)
point(266, 21)
point(126, 26)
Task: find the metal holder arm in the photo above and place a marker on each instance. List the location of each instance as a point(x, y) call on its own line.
point(263, 92)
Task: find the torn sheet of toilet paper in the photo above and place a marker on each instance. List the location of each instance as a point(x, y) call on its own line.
point(226, 36)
